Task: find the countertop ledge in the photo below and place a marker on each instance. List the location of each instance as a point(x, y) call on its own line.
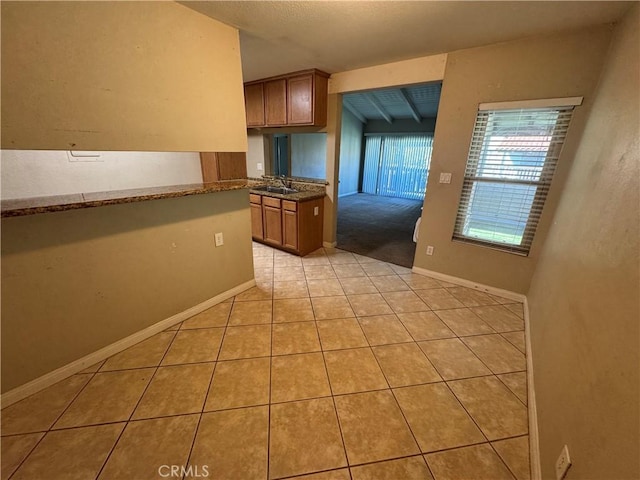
point(306, 190)
point(296, 197)
point(58, 203)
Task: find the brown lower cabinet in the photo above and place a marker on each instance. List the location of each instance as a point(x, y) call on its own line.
point(272, 220)
point(294, 226)
point(256, 219)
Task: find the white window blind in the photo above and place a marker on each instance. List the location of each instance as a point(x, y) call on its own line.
point(512, 159)
point(397, 165)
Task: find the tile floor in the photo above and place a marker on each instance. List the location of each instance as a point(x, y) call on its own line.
point(335, 366)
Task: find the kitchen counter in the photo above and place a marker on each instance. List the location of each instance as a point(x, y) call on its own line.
point(58, 203)
point(308, 189)
point(301, 196)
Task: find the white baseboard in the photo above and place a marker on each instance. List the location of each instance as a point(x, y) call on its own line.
point(534, 438)
point(329, 244)
point(518, 297)
point(23, 391)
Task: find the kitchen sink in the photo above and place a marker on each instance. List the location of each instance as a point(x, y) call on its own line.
point(280, 190)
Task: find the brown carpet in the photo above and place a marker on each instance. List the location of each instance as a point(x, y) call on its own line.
point(378, 227)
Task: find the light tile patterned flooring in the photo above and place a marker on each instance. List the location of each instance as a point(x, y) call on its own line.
point(335, 366)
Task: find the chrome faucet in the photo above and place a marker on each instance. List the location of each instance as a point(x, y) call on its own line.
point(283, 179)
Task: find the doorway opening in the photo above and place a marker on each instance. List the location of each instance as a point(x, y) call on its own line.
point(386, 144)
point(280, 155)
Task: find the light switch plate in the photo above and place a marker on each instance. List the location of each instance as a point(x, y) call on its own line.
point(445, 178)
point(219, 239)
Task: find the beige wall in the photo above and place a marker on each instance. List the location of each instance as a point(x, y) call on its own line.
point(562, 65)
point(414, 71)
point(350, 153)
point(334, 132)
point(153, 76)
point(583, 299)
point(256, 154)
point(76, 281)
point(406, 72)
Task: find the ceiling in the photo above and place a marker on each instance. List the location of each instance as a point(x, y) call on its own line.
point(416, 102)
point(278, 37)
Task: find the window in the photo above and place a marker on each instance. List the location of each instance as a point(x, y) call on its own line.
point(397, 165)
point(512, 159)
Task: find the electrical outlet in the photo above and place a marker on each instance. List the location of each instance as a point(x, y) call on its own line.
point(316, 211)
point(430, 250)
point(563, 463)
point(259, 167)
point(219, 239)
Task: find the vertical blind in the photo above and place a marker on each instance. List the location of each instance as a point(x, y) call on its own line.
point(397, 165)
point(512, 159)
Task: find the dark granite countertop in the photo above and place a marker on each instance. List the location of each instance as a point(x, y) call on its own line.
point(308, 189)
point(301, 196)
point(58, 203)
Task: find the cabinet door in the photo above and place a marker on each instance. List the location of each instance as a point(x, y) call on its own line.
point(232, 165)
point(300, 92)
point(290, 229)
point(275, 99)
point(254, 104)
point(256, 221)
point(209, 165)
point(310, 221)
point(218, 166)
point(272, 224)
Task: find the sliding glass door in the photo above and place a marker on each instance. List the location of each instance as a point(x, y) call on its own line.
point(397, 165)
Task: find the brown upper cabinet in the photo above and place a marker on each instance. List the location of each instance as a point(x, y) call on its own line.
point(254, 101)
point(275, 102)
point(298, 98)
point(218, 166)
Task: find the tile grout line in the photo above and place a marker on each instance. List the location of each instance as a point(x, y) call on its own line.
point(480, 429)
point(49, 429)
point(483, 363)
point(414, 341)
point(333, 399)
point(514, 393)
point(27, 456)
point(493, 330)
point(270, 373)
point(106, 460)
point(304, 475)
point(398, 403)
point(290, 354)
point(458, 447)
point(502, 460)
point(518, 348)
point(206, 396)
point(494, 333)
point(452, 392)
